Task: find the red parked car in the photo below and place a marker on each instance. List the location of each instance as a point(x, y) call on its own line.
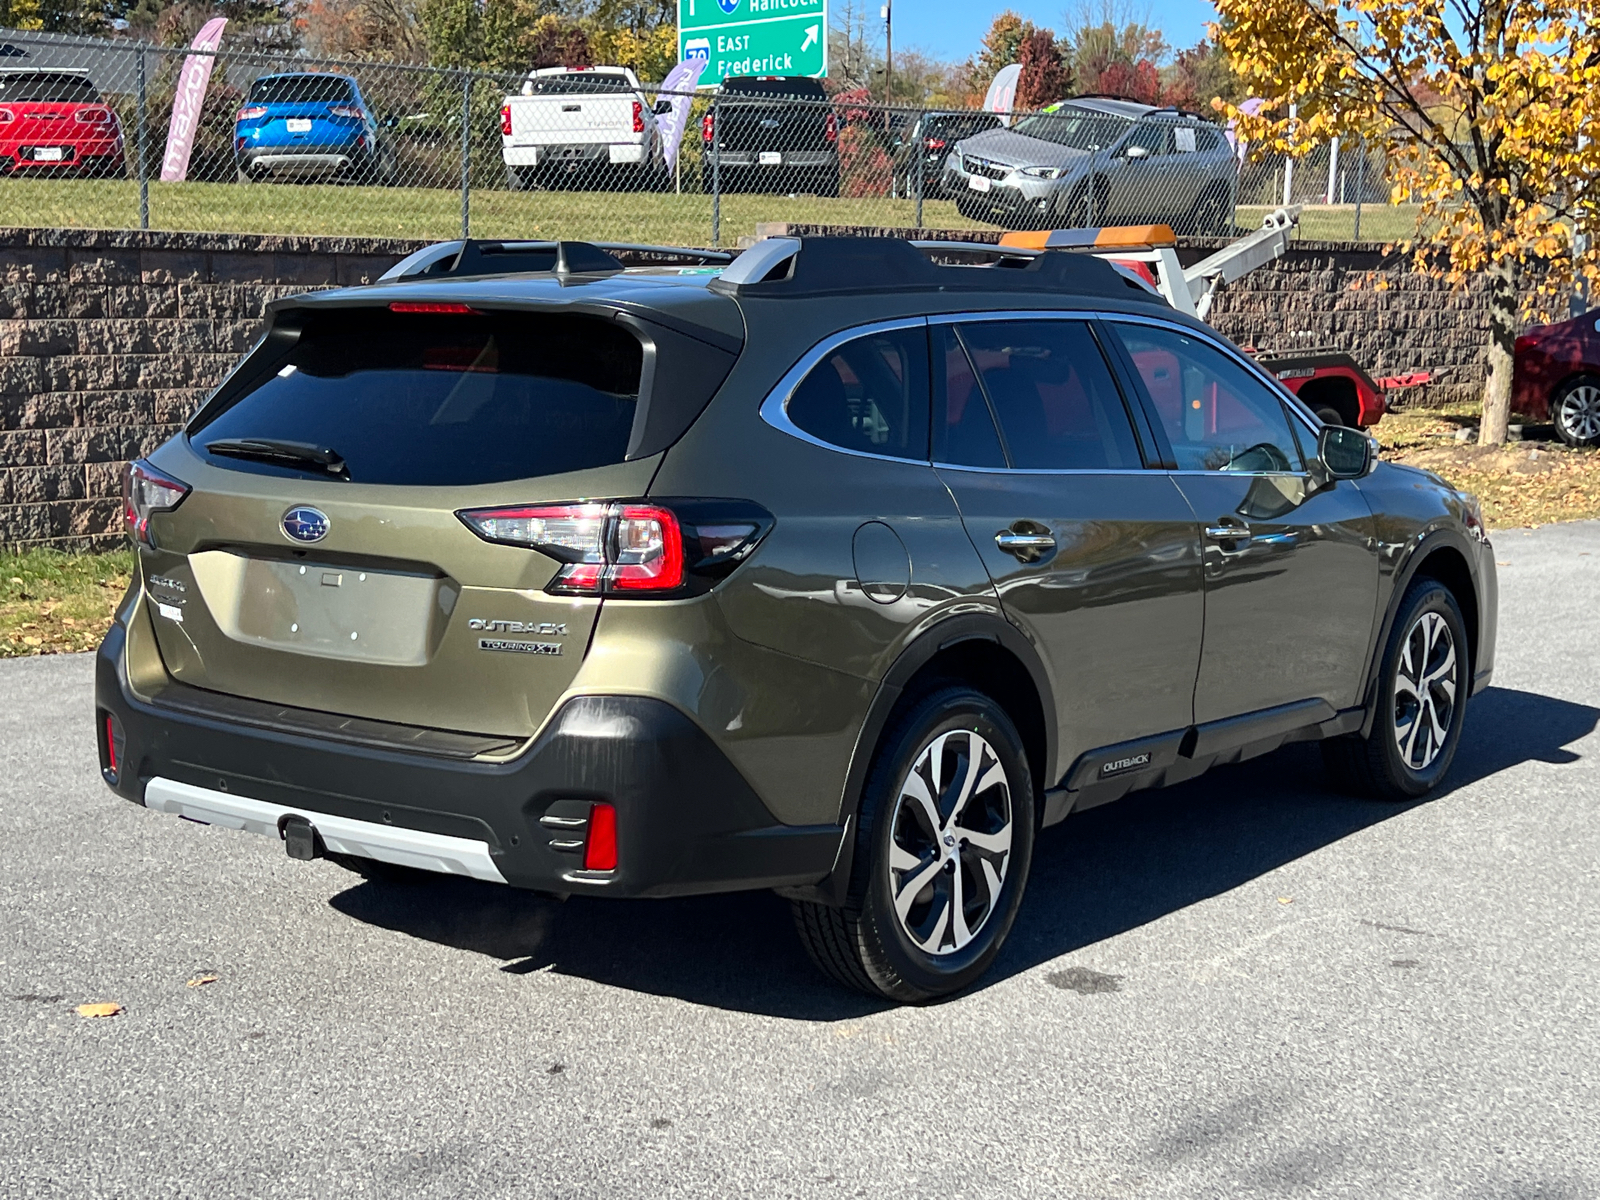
point(1556, 377)
point(54, 121)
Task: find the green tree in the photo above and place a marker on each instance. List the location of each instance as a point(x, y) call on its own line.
point(452, 30)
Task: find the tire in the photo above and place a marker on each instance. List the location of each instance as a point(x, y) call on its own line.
point(1079, 210)
point(243, 176)
point(1427, 647)
point(926, 954)
point(1576, 411)
point(1328, 415)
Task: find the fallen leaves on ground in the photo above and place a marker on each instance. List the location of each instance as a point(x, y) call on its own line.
point(108, 1009)
point(202, 980)
point(52, 602)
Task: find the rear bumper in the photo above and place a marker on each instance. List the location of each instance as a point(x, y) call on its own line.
point(687, 822)
point(741, 159)
point(301, 159)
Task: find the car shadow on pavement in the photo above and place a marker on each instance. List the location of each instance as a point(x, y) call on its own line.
point(1094, 876)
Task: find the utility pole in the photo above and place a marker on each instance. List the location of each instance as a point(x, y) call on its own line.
point(888, 53)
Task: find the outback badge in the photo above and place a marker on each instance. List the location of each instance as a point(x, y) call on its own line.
point(305, 524)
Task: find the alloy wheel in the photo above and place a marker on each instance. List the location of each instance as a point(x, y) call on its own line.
point(950, 842)
point(1579, 412)
point(1425, 687)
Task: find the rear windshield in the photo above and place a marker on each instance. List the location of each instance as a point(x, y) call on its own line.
point(1078, 130)
point(48, 88)
point(576, 83)
point(798, 86)
point(300, 89)
point(432, 399)
point(964, 126)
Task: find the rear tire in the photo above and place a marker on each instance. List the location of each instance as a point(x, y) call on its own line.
point(942, 851)
point(1576, 411)
point(1422, 702)
point(1328, 415)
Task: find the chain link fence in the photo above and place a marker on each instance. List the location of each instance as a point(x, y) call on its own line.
point(308, 146)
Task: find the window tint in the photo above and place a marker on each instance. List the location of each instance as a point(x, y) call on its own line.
point(1154, 136)
point(434, 399)
point(1053, 394)
point(300, 89)
point(1217, 415)
point(963, 433)
point(796, 86)
point(42, 87)
point(871, 395)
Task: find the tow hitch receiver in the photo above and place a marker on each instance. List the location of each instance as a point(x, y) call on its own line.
point(300, 839)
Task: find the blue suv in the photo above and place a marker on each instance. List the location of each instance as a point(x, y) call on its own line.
point(309, 124)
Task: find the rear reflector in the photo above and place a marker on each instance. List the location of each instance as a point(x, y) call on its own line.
point(429, 306)
point(600, 852)
point(111, 745)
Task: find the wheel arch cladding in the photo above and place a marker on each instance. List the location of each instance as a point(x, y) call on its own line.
point(1448, 566)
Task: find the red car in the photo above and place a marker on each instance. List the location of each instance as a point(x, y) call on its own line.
point(1556, 377)
point(54, 121)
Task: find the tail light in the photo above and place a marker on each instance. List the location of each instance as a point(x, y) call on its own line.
point(7, 116)
point(94, 116)
point(1524, 343)
point(505, 119)
point(934, 143)
point(600, 849)
point(830, 129)
point(638, 117)
point(708, 128)
point(145, 492)
point(431, 306)
point(630, 549)
point(240, 142)
point(253, 113)
point(347, 110)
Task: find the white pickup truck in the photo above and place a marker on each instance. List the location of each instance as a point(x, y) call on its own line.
point(587, 127)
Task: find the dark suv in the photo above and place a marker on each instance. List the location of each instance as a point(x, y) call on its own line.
point(770, 134)
point(840, 572)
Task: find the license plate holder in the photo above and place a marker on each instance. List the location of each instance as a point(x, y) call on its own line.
point(48, 154)
point(771, 158)
point(297, 124)
point(979, 183)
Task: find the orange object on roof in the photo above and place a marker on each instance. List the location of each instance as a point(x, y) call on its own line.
point(1108, 237)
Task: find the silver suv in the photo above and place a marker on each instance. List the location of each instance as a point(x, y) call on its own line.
point(1093, 161)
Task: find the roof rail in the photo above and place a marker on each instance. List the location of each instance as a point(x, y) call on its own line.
point(471, 256)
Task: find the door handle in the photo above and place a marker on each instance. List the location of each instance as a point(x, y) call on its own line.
point(1027, 547)
point(1228, 533)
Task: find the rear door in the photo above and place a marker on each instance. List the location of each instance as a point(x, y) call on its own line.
point(1095, 558)
point(361, 591)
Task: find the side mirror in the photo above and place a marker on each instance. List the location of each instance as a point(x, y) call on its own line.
point(1136, 152)
point(1345, 453)
point(391, 122)
point(662, 107)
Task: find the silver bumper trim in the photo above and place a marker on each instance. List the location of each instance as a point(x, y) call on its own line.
point(386, 843)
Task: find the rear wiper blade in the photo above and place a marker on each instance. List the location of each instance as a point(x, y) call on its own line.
point(302, 454)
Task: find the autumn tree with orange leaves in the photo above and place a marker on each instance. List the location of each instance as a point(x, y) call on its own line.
point(1481, 109)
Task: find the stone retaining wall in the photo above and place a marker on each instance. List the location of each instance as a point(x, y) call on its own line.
point(110, 339)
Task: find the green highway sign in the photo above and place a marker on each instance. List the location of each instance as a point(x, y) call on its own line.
point(754, 37)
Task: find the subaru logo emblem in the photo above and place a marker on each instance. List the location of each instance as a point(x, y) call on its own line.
point(728, 6)
point(305, 524)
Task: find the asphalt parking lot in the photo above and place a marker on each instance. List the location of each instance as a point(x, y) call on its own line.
point(1246, 986)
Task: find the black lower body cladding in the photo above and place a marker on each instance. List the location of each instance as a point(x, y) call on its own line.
point(687, 822)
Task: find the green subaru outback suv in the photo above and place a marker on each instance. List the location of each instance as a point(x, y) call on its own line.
point(841, 569)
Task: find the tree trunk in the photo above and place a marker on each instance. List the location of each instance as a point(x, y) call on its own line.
point(1502, 337)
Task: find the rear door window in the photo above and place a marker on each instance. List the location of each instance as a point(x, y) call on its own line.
point(435, 399)
point(1054, 397)
point(869, 395)
point(964, 434)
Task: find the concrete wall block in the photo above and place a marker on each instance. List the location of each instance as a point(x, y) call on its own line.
point(184, 370)
point(175, 406)
point(118, 408)
point(163, 266)
point(22, 448)
point(85, 518)
point(24, 523)
point(306, 270)
point(139, 300)
point(7, 494)
point(16, 300)
point(39, 485)
point(38, 339)
point(33, 264)
point(230, 302)
point(138, 335)
point(103, 480)
point(87, 372)
point(103, 265)
point(40, 410)
point(22, 377)
point(112, 443)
